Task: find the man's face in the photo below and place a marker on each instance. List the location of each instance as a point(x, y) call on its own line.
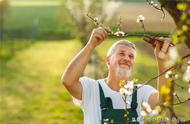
point(122, 60)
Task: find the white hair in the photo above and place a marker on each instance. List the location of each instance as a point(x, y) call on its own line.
point(120, 42)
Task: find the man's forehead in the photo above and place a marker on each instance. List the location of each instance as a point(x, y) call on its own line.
point(125, 48)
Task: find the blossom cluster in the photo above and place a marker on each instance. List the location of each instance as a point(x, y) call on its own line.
point(126, 89)
point(140, 18)
point(119, 33)
point(186, 75)
point(148, 111)
point(169, 74)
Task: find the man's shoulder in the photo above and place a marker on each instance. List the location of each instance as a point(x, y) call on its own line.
point(90, 81)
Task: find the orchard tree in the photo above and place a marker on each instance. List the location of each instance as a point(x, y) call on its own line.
point(180, 12)
point(78, 10)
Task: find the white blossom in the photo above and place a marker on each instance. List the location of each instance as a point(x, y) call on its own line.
point(143, 113)
point(189, 90)
point(127, 102)
point(149, 110)
point(154, 112)
point(145, 104)
point(171, 56)
point(174, 93)
point(147, 107)
point(155, 5)
point(188, 67)
point(186, 76)
point(129, 85)
point(173, 53)
point(119, 33)
point(140, 18)
point(127, 89)
point(176, 76)
point(122, 91)
point(168, 73)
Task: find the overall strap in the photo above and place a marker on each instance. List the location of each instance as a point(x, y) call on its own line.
point(105, 103)
point(108, 113)
point(134, 99)
point(133, 115)
point(102, 97)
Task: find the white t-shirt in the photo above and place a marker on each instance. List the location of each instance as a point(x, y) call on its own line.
point(90, 103)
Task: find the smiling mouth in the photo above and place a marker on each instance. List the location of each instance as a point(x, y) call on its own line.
point(124, 65)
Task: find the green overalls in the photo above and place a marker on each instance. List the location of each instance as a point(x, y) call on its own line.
point(117, 116)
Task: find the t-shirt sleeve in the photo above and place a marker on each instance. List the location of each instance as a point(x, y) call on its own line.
point(146, 91)
point(87, 85)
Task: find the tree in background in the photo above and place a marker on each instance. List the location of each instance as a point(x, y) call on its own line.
point(78, 9)
point(4, 4)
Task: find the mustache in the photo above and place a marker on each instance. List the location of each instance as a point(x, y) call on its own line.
point(126, 62)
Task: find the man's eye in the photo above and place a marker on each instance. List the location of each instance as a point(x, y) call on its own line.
point(122, 54)
point(131, 56)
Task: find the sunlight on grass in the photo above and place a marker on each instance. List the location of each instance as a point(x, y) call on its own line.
point(35, 3)
point(31, 87)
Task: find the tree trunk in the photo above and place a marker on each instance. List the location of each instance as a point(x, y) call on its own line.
point(171, 7)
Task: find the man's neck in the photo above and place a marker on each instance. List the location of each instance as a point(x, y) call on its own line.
point(113, 82)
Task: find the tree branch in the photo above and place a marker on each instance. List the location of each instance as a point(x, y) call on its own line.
point(188, 99)
point(147, 82)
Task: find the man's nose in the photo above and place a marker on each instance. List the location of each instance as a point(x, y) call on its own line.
point(126, 58)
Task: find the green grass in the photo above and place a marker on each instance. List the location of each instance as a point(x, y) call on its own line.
point(30, 85)
point(31, 91)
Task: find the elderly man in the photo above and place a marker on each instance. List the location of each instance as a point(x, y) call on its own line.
point(100, 99)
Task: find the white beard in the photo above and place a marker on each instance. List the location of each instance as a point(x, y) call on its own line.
point(123, 72)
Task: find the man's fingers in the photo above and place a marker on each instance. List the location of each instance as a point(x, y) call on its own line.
point(99, 37)
point(158, 46)
point(101, 32)
point(105, 32)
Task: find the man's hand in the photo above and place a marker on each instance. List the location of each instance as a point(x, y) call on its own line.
point(163, 48)
point(98, 35)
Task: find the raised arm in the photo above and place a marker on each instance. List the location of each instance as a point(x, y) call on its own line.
point(76, 67)
point(156, 98)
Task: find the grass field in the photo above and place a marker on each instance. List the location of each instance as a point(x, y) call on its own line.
point(31, 92)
